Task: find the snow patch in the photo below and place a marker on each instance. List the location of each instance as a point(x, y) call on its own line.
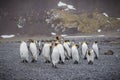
point(99, 30)
point(118, 18)
point(63, 35)
point(60, 4)
point(19, 26)
point(105, 14)
point(52, 33)
point(71, 7)
point(7, 36)
point(67, 6)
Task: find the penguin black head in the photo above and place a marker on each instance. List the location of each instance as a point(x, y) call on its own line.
point(95, 42)
point(65, 41)
point(31, 40)
point(58, 37)
point(77, 45)
point(56, 44)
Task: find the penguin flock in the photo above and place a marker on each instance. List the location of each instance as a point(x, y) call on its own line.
point(57, 51)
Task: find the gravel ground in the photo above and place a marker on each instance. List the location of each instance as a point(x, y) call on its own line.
point(107, 67)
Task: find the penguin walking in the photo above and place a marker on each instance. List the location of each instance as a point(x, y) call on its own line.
point(55, 55)
point(96, 49)
point(33, 50)
point(90, 56)
point(84, 49)
point(75, 54)
point(24, 52)
point(46, 52)
point(61, 53)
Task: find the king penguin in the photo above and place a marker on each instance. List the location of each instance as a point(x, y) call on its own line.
point(55, 55)
point(90, 56)
point(24, 52)
point(96, 49)
point(33, 50)
point(67, 50)
point(61, 53)
point(84, 49)
point(75, 54)
point(46, 52)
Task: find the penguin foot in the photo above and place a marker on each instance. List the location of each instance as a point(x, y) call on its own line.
point(76, 62)
point(60, 62)
point(66, 58)
point(33, 60)
point(54, 66)
point(84, 58)
point(25, 61)
point(71, 57)
point(47, 61)
point(96, 57)
point(90, 62)
point(22, 61)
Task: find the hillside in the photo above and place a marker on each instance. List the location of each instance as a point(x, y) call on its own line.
point(28, 17)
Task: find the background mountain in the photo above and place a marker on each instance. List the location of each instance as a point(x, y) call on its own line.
point(28, 16)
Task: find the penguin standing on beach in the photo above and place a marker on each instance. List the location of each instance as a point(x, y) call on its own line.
point(75, 54)
point(90, 56)
point(84, 49)
point(46, 52)
point(24, 52)
point(67, 50)
point(33, 50)
point(55, 55)
point(61, 53)
point(96, 49)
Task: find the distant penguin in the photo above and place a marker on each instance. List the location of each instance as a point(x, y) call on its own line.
point(61, 53)
point(46, 52)
point(67, 50)
point(55, 55)
point(24, 52)
point(33, 50)
point(96, 49)
point(84, 49)
point(75, 54)
point(90, 56)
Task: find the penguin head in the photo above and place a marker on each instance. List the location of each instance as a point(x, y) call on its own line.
point(84, 42)
point(95, 42)
point(55, 44)
point(77, 45)
point(58, 37)
point(31, 40)
point(65, 41)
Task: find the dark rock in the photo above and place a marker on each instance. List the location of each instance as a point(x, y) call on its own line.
point(109, 52)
